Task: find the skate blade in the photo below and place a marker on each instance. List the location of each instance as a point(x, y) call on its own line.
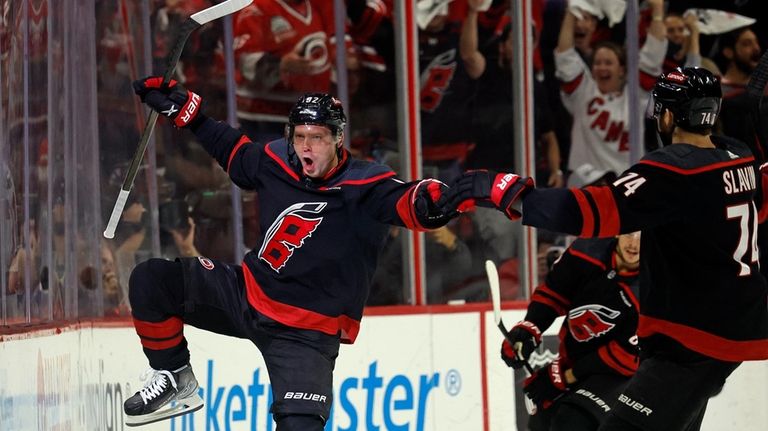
point(187, 405)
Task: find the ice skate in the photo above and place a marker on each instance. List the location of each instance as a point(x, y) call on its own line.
point(166, 394)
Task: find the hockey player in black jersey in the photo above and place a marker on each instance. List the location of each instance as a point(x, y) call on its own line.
point(594, 285)
point(301, 290)
point(702, 297)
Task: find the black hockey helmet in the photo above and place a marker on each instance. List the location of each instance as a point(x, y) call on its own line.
point(692, 94)
point(319, 109)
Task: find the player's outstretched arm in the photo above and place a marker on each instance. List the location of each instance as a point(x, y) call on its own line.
point(184, 109)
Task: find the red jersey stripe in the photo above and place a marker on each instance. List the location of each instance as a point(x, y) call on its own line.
point(541, 299)
point(361, 182)
point(280, 162)
point(626, 359)
point(571, 86)
point(243, 140)
point(618, 359)
point(159, 330)
point(405, 209)
point(762, 213)
point(705, 168)
point(587, 257)
point(296, 317)
point(162, 345)
point(704, 342)
point(544, 288)
point(588, 223)
point(606, 209)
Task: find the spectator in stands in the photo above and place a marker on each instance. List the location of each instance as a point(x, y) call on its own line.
point(196, 70)
point(597, 98)
point(684, 49)
point(448, 259)
point(373, 86)
point(115, 290)
point(446, 93)
point(493, 119)
point(741, 49)
point(489, 62)
point(584, 29)
point(282, 50)
point(177, 230)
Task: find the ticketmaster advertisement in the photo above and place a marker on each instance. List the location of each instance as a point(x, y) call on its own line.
point(409, 372)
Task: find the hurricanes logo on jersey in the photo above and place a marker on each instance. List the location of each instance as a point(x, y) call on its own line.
point(435, 80)
point(590, 321)
point(288, 232)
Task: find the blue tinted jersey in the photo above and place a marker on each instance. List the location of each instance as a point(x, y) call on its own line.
point(700, 279)
point(446, 91)
point(319, 239)
point(600, 308)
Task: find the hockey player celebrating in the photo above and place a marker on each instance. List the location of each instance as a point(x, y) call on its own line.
point(301, 290)
point(593, 284)
point(702, 297)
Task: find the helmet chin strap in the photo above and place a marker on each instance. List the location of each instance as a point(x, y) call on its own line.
point(293, 158)
point(340, 146)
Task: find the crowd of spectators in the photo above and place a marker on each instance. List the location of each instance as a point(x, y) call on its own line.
point(282, 48)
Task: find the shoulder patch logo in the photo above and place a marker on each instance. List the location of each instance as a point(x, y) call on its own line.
point(288, 232)
point(207, 263)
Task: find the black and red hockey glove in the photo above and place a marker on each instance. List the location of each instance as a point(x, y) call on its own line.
point(428, 192)
point(528, 335)
point(501, 189)
point(180, 105)
point(546, 385)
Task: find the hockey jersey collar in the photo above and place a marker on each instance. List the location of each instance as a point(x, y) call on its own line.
point(278, 151)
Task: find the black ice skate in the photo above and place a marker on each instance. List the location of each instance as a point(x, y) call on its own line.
point(165, 395)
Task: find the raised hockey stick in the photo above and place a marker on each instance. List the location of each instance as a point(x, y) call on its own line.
point(191, 24)
point(493, 282)
point(755, 92)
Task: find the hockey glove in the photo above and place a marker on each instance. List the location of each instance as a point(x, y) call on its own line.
point(181, 106)
point(529, 337)
point(501, 189)
point(426, 195)
point(546, 385)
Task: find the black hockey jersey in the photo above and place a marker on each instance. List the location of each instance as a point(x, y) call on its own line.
point(598, 335)
point(446, 91)
point(700, 282)
point(321, 239)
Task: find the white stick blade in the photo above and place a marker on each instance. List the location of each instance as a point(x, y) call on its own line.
point(493, 281)
point(222, 9)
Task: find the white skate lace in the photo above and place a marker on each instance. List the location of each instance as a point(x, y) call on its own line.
point(158, 380)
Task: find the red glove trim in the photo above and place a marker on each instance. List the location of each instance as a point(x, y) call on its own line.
point(506, 190)
point(530, 327)
point(189, 110)
point(433, 188)
point(500, 185)
point(157, 82)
